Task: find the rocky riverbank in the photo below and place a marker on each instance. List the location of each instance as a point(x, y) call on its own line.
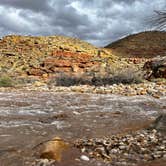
point(147, 146)
point(155, 89)
point(131, 149)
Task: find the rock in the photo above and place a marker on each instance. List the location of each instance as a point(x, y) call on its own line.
point(43, 162)
point(58, 151)
point(39, 84)
point(54, 149)
point(156, 96)
point(160, 123)
point(85, 158)
point(76, 113)
point(35, 72)
point(155, 68)
point(122, 147)
point(42, 55)
point(74, 61)
point(143, 145)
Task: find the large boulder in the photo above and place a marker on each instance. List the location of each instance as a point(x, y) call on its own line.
point(53, 149)
point(160, 123)
point(155, 68)
point(57, 151)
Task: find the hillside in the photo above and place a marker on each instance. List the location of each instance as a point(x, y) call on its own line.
point(47, 55)
point(144, 45)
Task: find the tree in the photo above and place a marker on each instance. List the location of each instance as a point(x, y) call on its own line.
point(159, 20)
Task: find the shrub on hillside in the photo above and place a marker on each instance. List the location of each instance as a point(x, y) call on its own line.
point(6, 81)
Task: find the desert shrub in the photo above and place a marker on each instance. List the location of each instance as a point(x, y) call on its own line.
point(123, 77)
point(6, 81)
point(25, 80)
point(65, 80)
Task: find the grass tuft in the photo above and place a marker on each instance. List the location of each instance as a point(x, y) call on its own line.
point(6, 81)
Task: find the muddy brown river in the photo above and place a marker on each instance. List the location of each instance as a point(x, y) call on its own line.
point(28, 118)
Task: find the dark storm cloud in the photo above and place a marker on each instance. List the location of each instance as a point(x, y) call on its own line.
point(34, 5)
point(99, 22)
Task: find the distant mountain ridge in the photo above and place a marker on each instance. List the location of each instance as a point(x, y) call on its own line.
point(147, 44)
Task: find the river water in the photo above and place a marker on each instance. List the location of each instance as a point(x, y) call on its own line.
point(28, 118)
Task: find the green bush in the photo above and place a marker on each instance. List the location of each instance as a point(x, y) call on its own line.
point(6, 81)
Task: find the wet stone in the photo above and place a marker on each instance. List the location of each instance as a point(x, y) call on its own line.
point(126, 154)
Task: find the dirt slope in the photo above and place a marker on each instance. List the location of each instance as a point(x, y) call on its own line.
point(144, 45)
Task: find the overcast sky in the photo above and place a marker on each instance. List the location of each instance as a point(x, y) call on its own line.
point(96, 21)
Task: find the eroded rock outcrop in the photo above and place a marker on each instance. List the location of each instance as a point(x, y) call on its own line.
point(38, 56)
point(155, 68)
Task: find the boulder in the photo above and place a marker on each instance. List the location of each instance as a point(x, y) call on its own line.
point(58, 150)
point(155, 68)
point(160, 123)
point(53, 149)
point(35, 72)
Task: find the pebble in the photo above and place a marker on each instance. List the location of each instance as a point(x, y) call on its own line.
point(114, 151)
point(85, 158)
point(126, 150)
point(76, 113)
point(122, 147)
point(145, 88)
point(43, 162)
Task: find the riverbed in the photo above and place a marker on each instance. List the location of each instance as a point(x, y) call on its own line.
point(30, 117)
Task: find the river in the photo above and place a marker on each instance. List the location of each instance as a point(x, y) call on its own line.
point(28, 118)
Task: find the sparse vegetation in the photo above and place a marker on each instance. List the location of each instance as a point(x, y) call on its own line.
point(124, 77)
point(66, 80)
point(142, 45)
point(6, 81)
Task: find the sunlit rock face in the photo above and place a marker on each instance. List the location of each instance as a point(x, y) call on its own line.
point(38, 56)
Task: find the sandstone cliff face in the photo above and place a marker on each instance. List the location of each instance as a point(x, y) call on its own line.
point(38, 56)
point(66, 62)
